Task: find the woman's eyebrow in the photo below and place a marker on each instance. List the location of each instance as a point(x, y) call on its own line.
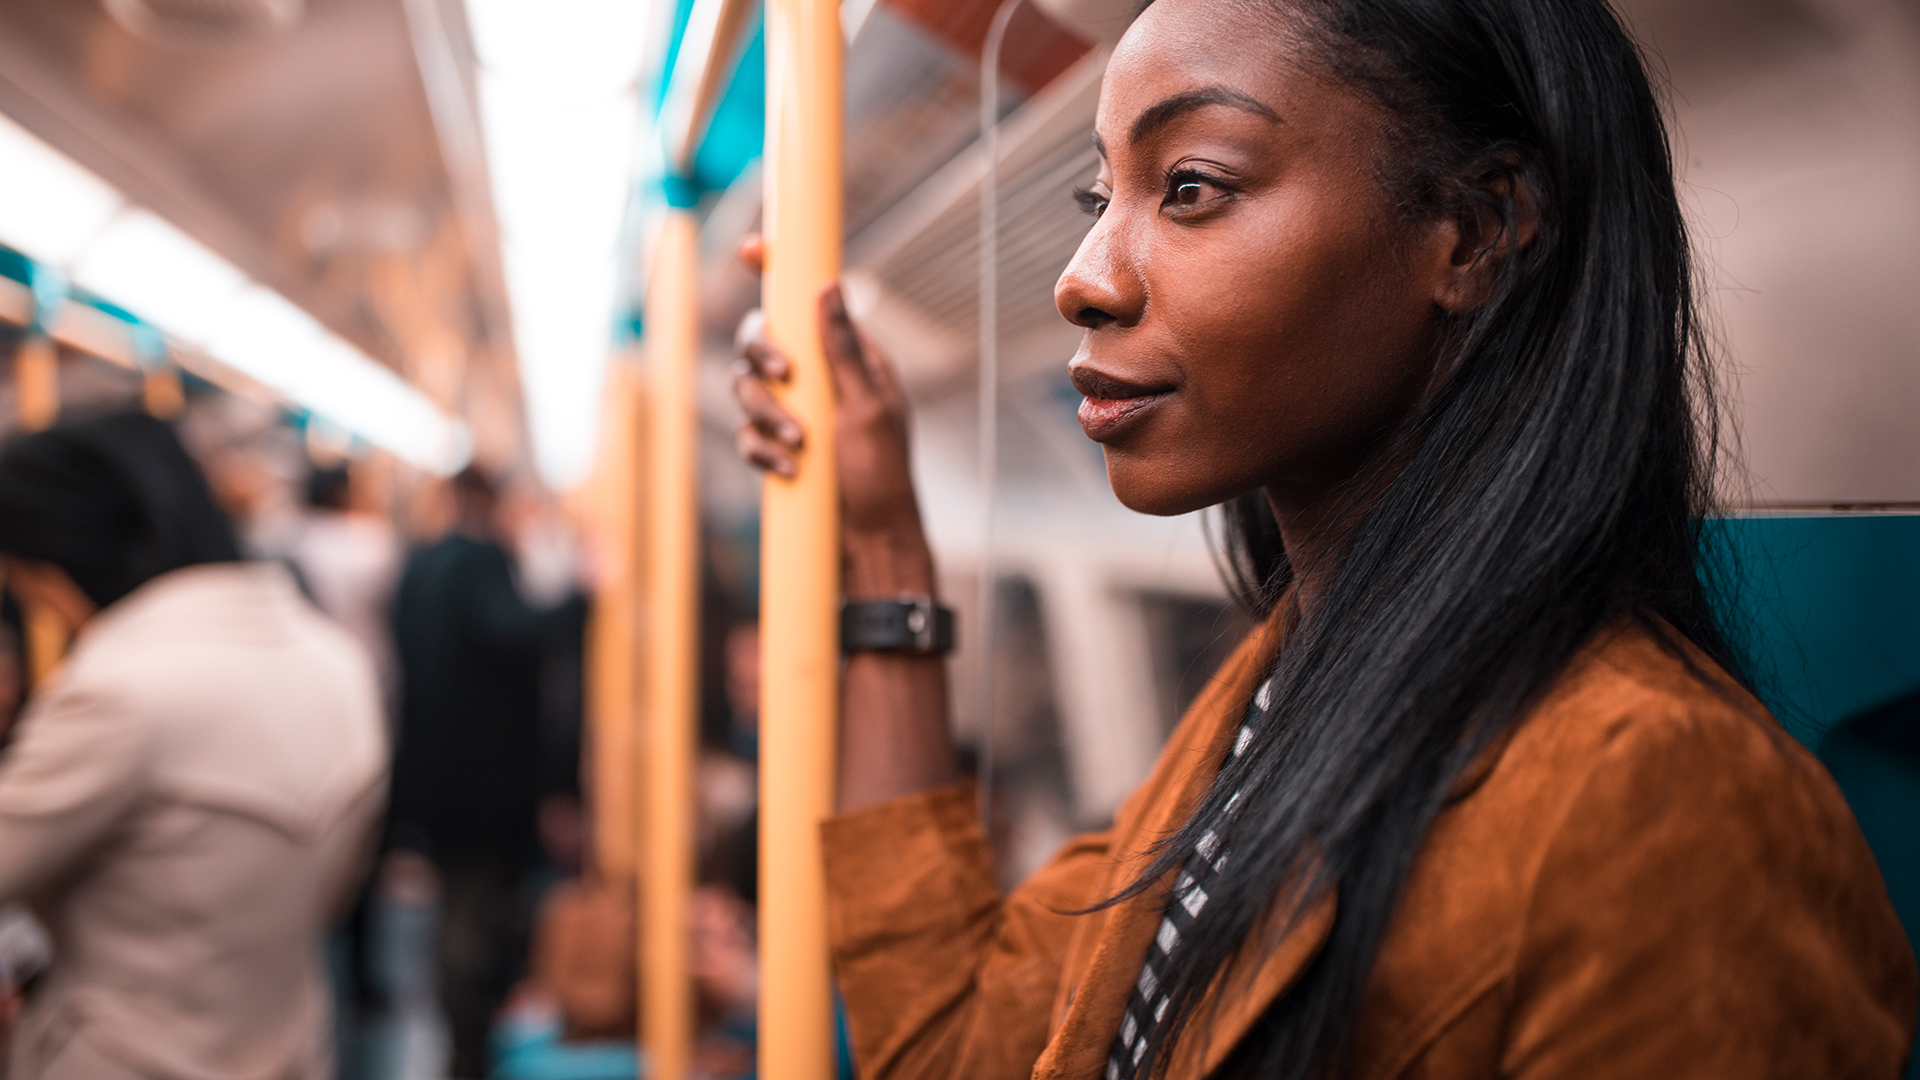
point(1165, 111)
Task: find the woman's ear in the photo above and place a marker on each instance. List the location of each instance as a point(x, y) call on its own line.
point(1498, 215)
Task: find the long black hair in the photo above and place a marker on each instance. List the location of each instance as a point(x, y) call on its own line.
point(1553, 485)
point(115, 501)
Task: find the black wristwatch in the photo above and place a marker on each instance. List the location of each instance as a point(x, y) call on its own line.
point(912, 625)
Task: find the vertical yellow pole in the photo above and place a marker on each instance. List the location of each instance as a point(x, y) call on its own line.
point(47, 638)
point(161, 393)
point(36, 385)
point(36, 382)
point(800, 545)
point(613, 652)
point(672, 652)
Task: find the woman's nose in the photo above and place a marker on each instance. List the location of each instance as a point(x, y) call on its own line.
point(1102, 286)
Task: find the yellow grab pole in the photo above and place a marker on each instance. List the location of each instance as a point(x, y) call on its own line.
point(36, 382)
point(672, 649)
point(36, 387)
point(799, 545)
point(47, 638)
point(161, 393)
point(613, 650)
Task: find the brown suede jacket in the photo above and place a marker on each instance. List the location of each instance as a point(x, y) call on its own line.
point(1651, 879)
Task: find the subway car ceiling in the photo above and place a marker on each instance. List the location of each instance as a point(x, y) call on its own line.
point(307, 155)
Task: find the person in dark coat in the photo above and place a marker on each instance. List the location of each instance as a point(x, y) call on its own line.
point(467, 776)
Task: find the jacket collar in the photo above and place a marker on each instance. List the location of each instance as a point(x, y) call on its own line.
point(1120, 936)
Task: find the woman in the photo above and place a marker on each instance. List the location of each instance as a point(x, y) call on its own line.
point(1404, 286)
point(190, 799)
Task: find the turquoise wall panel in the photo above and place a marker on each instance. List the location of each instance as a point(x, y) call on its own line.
point(1828, 608)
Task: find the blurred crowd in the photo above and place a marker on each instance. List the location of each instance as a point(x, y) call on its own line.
point(292, 783)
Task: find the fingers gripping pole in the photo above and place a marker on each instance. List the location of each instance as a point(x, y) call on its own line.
point(672, 658)
point(800, 551)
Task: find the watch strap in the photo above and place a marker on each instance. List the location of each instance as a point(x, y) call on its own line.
point(913, 625)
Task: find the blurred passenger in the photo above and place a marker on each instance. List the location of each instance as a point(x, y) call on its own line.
point(742, 656)
point(253, 461)
point(724, 955)
point(13, 665)
point(727, 783)
point(25, 949)
point(467, 773)
point(548, 569)
point(350, 560)
point(190, 799)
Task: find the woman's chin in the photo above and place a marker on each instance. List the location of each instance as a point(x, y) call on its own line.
point(1149, 488)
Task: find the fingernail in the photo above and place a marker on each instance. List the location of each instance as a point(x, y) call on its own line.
point(751, 327)
point(791, 433)
point(785, 469)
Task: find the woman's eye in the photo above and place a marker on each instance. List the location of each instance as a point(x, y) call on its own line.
point(1090, 201)
point(1191, 189)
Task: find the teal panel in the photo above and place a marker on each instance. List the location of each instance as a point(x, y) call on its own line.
point(103, 305)
point(1884, 790)
point(1827, 607)
point(16, 266)
point(737, 132)
point(1881, 779)
point(20, 268)
point(682, 10)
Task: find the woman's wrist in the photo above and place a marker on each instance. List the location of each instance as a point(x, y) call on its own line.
point(890, 563)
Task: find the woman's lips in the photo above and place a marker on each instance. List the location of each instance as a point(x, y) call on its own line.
point(1104, 418)
point(1113, 404)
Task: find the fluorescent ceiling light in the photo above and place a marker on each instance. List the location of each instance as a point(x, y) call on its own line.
point(559, 110)
point(160, 274)
point(50, 208)
point(275, 343)
point(582, 49)
point(60, 214)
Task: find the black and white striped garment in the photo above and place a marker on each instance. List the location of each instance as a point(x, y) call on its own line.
point(1147, 1006)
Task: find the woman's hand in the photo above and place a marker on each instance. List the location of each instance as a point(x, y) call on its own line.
point(884, 545)
point(894, 737)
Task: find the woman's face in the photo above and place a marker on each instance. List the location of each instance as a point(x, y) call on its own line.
point(1256, 314)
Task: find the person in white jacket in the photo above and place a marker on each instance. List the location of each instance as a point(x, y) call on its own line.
point(189, 801)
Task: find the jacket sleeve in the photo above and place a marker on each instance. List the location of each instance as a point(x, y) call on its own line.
point(942, 975)
point(1708, 908)
point(72, 773)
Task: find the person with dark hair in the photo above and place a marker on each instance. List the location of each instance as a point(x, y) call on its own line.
point(112, 503)
point(192, 797)
point(349, 560)
point(330, 488)
point(467, 773)
point(1404, 286)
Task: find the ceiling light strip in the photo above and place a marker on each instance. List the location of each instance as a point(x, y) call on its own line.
point(59, 215)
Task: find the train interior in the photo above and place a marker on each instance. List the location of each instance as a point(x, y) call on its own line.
point(393, 239)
